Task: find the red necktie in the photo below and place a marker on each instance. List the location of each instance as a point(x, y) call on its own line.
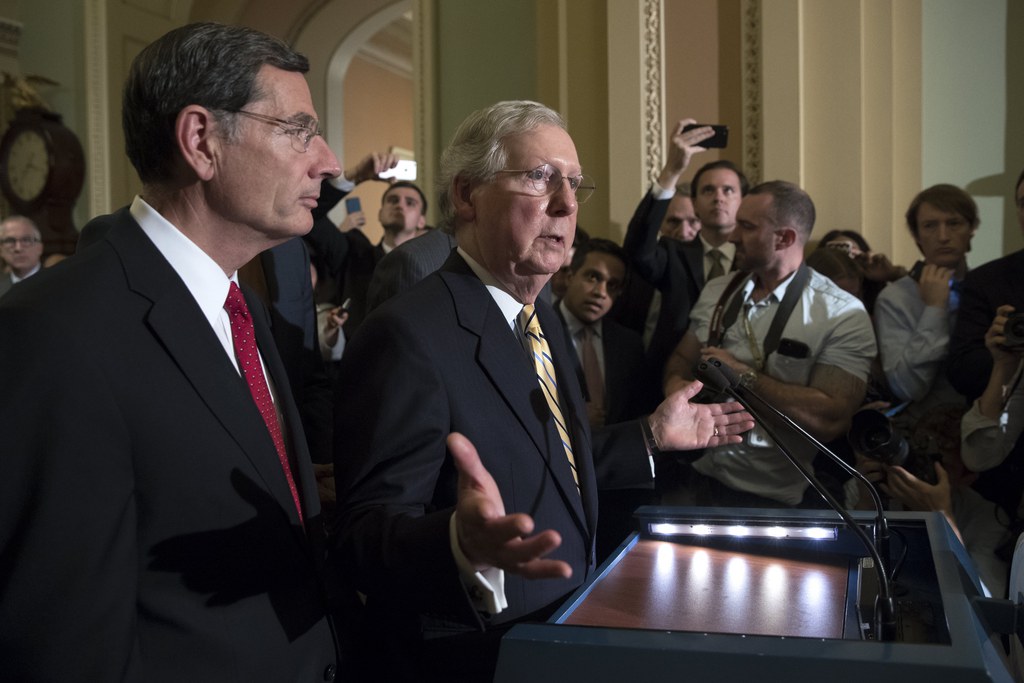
point(244, 339)
point(592, 373)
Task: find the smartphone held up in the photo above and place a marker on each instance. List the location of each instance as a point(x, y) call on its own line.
point(717, 141)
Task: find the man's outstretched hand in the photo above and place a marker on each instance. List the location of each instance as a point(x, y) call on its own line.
point(487, 536)
point(679, 425)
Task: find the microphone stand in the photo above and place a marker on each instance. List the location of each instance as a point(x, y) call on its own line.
point(722, 378)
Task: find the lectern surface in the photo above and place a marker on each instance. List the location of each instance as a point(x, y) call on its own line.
point(671, 586)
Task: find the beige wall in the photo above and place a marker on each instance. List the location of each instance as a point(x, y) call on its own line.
point(841, 83)
point(692, 83)
point(378, 111)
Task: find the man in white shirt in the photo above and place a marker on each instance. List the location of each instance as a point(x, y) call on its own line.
point(815, 371)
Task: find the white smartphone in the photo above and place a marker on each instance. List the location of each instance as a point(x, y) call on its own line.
point(405, 170)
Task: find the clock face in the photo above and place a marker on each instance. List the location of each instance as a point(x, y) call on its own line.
point(28, 165)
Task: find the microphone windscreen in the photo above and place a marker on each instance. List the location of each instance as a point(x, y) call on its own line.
point(728, 373)
point(711, 376)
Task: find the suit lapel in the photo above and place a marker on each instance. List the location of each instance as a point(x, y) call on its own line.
point(503, 359)
point(184, 332)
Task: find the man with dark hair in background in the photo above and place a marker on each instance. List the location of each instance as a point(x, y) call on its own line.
point(679, 269)
point(791, 335)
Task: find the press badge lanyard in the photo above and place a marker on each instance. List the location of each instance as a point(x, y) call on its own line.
point(728, 308)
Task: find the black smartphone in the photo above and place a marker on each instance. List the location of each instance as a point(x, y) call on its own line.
point(346, 303)
point(718, 141)
point(793, 348)
point(353, 205)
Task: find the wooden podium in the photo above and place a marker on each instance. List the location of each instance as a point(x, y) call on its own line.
point(766, 601)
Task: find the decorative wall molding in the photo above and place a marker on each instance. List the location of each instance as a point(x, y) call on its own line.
point(753, 119)
point(97, 137)
point(424, 86)
point(654, 85)
point(10, 36)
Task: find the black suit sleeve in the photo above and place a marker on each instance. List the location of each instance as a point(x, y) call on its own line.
point(970, 363)
point(53, 583)
point(984, 290)
point(641, 241)
point(391, 422)
point(620, 456)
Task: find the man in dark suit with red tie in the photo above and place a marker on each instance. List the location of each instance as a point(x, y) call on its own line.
point(453, 541)
point(159, 518)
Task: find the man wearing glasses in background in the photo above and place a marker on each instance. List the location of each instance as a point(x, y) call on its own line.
point(423, 524)
point(21, 248)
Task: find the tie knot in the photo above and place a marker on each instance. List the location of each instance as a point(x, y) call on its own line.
point(531, 324)
point(715, 254)
point(235, 303)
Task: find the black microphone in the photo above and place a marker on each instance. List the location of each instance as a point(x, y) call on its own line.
point(881, 529)
point(717, 375)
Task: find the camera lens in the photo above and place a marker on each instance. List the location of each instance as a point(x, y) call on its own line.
point(872, 434)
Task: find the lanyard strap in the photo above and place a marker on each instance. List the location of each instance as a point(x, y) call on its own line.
point(725, 315)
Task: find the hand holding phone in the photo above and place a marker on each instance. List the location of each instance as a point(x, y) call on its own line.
point(404, 170)
point(718, 141)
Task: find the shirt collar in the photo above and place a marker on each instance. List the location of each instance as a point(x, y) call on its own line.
point(728, 249)
point(510, 307)
point(576, 325)
point(200, 273)
point(779, 292)
point(15, 279)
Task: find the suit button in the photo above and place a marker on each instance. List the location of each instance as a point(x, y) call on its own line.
point(329, 673)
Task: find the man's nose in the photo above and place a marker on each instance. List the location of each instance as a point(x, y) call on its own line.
point(563, 199)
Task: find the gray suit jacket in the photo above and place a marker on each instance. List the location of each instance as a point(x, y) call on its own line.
point(407, 264)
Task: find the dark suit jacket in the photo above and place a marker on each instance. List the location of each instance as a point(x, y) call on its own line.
point(675, 268)
point(627, 395)
point(5, 283)
point(293, 323)
point(148, 532)
point(288, 292)
point(985, 289)
point(349, 256)
point(407, 264)
point(442, 358)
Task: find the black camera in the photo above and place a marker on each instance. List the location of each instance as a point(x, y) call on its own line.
point(1013, 330)
point(872, 434)
point(875, 436)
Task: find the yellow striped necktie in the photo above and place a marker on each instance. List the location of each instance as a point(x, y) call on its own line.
point(545, 368)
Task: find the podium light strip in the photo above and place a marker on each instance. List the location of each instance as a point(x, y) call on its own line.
point(814, 533)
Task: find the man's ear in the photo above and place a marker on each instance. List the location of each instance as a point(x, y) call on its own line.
point(194, 131)
point(785, 237)
point(462, 199)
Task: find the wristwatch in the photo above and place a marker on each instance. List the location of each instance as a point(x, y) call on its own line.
point(748, 378)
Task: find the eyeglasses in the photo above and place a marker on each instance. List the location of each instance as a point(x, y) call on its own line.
point(302, 134)
point(9, 242)
point(546, 179)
